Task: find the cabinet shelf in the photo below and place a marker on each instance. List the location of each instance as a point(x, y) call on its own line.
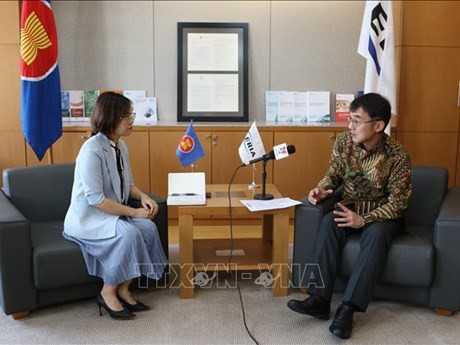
point(257, 254)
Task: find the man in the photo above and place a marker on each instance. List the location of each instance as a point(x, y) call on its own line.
point(374, 170)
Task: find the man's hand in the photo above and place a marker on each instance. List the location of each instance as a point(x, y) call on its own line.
point(348, 218)
point(316, 195)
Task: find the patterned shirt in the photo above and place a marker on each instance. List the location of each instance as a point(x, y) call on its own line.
point(377, 183)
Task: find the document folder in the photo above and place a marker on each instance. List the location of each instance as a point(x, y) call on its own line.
point(186, 188)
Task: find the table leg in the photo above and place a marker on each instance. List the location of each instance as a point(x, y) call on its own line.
point(267, 227)
point(186, 269)
point(280, 254)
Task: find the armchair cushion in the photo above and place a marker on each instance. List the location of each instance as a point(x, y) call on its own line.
point(416, 252)
point(56, 262)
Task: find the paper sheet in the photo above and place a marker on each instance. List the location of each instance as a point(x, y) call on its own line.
point(273, 204)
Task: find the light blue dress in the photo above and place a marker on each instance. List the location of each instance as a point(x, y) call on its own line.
point(115, 248)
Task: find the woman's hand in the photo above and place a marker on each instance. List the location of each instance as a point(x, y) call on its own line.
point(149, 205)
point(141, 212)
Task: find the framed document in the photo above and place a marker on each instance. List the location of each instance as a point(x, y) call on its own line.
point(212, 70)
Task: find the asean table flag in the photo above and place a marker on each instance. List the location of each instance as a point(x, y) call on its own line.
point(189, 149)
point(40, 85)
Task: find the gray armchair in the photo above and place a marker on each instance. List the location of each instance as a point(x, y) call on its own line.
point(38, 267)
point(423, 265)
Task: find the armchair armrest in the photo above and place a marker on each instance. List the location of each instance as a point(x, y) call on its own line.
point(307, 221)
point(445, 291)
point(17, 292)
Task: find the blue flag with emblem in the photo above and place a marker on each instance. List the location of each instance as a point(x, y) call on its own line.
point(40, 84)
point(189, 149)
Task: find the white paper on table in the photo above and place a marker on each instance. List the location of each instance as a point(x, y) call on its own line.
point(273, 204)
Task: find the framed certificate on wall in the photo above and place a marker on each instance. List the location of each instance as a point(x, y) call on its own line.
point(212, 72)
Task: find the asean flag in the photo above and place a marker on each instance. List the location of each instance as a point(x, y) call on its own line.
point(40, 84)
point(189, 149)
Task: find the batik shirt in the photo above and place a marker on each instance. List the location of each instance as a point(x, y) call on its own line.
point(376, 182)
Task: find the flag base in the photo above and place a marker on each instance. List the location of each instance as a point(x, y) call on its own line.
point(263, 196)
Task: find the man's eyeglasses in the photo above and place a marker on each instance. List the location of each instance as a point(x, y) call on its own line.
point(129, 117)
point(355, 123)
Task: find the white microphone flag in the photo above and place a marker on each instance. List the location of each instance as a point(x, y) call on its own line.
point(376, 44)
point(252, 146)
point(280, 151)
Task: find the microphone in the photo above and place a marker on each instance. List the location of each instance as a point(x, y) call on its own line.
point(279, 152)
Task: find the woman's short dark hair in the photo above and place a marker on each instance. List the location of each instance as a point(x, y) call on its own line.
point(109, 109)
point(375, 105)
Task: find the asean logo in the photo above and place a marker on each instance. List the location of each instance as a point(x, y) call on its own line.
point(186, 144)
point(38, 41)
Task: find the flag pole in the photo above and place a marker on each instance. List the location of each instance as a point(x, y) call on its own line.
point(253, 184)
point(50, 155)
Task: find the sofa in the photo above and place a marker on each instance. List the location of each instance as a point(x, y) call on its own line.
point(38, 267)
point(423, 264)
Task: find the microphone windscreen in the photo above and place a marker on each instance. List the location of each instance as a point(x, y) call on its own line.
point(291, 149)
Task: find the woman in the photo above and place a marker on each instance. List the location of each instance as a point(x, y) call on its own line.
point(119, 242)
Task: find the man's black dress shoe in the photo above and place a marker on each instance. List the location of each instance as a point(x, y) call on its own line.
point(343, 322)
point(124, 314)
point(313, 306)
point(139, 306)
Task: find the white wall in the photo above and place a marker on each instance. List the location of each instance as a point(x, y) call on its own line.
point(293, 45)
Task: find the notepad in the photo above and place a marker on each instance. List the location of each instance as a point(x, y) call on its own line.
point(186, 188)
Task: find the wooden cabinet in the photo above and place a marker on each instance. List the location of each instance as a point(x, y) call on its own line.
point(225, 157)
point(297, 174)
point(293, 176)
point(429, 116)
point(12, 146)
point(429, 89)
point(66, 148)
point(432, 148)
point(220, 160)
point(431, 23)
point(163, 159)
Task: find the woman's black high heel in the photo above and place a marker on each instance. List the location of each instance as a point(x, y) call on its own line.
point(139, 306)
point(124, 314)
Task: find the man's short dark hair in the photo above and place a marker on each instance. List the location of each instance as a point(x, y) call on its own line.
point(375, 105)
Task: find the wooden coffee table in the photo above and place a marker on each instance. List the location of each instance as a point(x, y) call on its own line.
point(270, 251)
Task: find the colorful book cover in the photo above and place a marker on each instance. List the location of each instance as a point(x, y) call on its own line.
point(145, 109)
point(342, 106)
point(65, 105)
point(90, 97)
point(76, 105)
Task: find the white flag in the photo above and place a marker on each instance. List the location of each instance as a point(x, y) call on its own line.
point(252, 146)
point(376, 44)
